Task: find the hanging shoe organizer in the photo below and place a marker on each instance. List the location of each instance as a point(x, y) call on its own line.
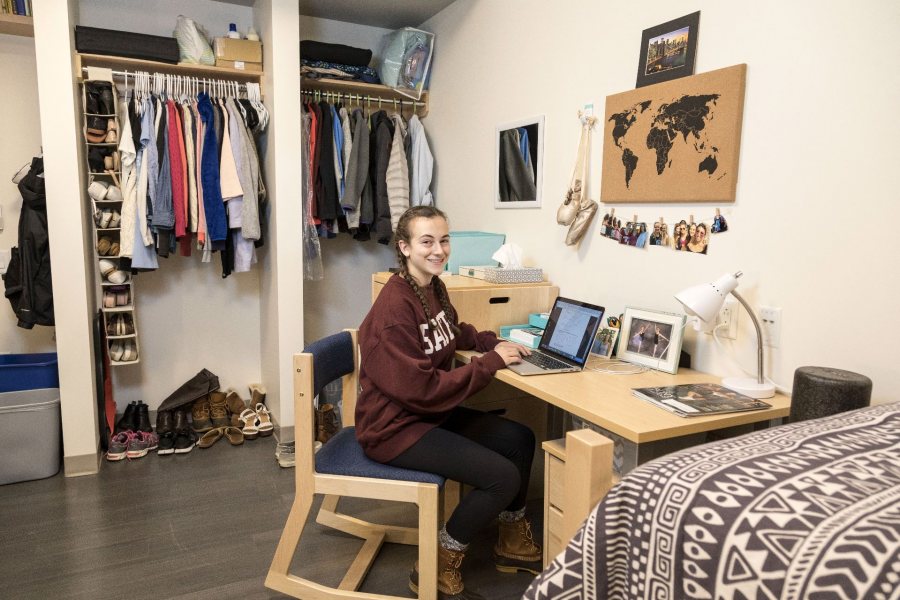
point(101, 136)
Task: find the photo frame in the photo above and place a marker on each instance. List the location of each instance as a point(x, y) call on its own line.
point(605, 342)
point(519, 166)
point(652, 338)
point(668, 51)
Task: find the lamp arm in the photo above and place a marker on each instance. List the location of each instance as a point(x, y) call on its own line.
point(759, 340)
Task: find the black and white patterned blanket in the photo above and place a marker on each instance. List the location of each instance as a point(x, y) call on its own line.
point(805, 510)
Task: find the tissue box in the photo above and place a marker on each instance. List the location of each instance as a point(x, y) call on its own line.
point(513, 275)
point(473, 248)
point(240, 50)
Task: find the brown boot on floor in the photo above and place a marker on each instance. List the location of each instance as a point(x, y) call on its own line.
point(200, 415)
point(257, 394)
point(327, 424)
point(450, 583)
point(235, 406)
point(217, 411)
point(516, 549)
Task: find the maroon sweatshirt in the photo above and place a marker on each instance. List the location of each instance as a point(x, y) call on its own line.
point(408, 386)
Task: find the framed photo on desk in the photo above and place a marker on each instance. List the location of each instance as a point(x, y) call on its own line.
point(651, 338)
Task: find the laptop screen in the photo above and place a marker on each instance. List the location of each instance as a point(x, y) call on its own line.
point(571, 328)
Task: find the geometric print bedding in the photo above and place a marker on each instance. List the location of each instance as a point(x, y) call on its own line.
point(805, 510)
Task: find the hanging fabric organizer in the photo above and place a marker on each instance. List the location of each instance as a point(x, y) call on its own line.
point(173, 168)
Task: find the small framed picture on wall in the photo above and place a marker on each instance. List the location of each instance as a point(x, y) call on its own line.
point(668, 50)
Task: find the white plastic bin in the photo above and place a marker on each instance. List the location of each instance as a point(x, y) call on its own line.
point(30, 435)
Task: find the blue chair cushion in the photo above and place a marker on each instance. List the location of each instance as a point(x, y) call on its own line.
point(343, 455)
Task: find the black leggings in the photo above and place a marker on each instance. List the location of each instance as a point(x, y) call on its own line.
point(483, 450)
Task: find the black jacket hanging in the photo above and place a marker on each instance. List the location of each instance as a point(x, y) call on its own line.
point(27, 279)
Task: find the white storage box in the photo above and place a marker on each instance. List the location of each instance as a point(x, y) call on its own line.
point(30, 435)
point(476, 271)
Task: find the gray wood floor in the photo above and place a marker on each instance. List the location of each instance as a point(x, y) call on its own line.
point(200, 525)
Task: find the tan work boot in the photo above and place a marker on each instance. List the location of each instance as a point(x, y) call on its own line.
point(235, 406)
point(326, 422)
point(217, 410)
point(516, 549)
point(200, 415)
point(449, 579)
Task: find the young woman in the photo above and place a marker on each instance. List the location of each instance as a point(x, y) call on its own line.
point(409, 415)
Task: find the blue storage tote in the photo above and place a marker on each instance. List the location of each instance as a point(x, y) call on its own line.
point(30, 435)
point(473, 248)
point(28, 371)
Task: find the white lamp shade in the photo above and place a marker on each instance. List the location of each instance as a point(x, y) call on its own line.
point(705, 300)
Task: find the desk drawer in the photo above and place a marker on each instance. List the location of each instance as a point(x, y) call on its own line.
point(493, 308)
point(556, 482)
point(554, 544)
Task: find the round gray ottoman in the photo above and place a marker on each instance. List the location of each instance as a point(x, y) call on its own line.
point(823, 391)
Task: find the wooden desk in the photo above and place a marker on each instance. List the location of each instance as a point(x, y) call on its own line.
point(640, 430)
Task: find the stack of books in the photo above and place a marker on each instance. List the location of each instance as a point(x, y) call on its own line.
point(16, 7)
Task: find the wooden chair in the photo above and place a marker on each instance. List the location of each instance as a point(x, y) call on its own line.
point(341, 468)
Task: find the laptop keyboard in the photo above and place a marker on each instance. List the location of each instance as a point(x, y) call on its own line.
point(545, 362)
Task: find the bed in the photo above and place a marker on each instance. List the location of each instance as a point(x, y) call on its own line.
point(805, 510)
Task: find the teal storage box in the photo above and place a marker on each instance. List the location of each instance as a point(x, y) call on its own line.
point(473, 248)
point(28, 371)
point(538, 320)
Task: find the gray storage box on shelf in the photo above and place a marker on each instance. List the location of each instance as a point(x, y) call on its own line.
point(30, 434)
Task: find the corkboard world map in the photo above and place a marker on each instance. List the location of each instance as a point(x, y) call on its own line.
point(676, 141)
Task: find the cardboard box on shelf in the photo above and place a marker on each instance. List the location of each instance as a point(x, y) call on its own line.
point(240, 65)
point(242, 50)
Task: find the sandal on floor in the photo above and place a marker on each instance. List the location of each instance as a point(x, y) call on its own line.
point(235, 436)
point(266, 427)
point(211, 437)
point(249, 418)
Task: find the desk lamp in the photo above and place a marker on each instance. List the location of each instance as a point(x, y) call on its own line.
point(704, 302)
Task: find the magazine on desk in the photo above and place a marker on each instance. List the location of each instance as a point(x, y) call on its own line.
point(698, 399)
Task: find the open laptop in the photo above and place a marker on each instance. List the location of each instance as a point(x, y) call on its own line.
point(566, 343)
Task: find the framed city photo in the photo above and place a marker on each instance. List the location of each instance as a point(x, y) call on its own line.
point(651, 338)
point(668, 50)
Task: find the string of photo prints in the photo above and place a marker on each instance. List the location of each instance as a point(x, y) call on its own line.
point(687, 235)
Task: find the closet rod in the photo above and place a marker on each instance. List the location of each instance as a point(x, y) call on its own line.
point(127, 74)
point(362, 97)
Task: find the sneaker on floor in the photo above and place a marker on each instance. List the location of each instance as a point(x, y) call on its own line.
point(139, 444)
point(185, 438)
point(118, 446)
point(284, 454)
point(166, 431)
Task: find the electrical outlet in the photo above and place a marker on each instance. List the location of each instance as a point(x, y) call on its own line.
point(770, 324)
point(728, 319)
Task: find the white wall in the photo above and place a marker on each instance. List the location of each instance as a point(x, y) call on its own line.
point(21, 140)
point(343, 297)
point(188, 316)
point(812, 227)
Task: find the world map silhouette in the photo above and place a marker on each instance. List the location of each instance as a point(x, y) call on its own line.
point(687, 116)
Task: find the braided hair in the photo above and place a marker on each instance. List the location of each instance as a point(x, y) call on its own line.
point(403, 234)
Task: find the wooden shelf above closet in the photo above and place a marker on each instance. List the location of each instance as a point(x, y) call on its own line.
point(17, 25)
point(185, 69)
point(358, 88)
